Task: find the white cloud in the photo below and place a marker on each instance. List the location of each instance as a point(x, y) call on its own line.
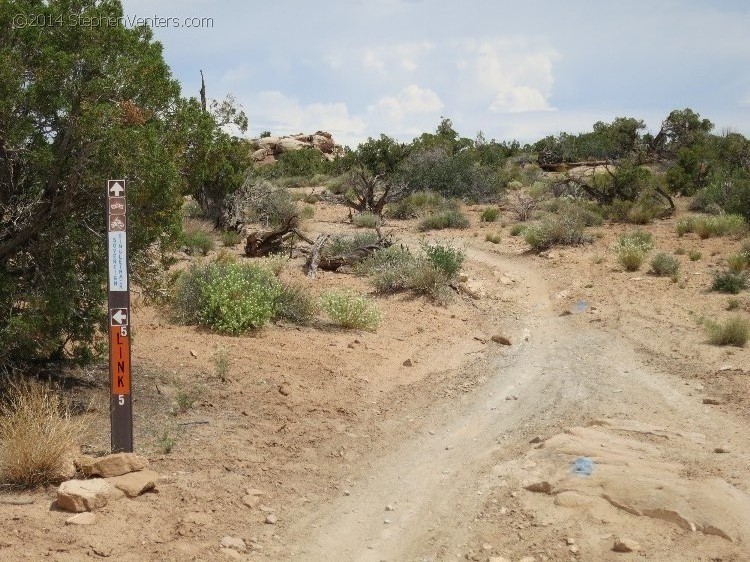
point(281, 114)
point(410, 100)
point(405, 56)
point(512, 76)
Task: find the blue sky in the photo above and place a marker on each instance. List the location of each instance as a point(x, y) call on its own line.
point(510, 69)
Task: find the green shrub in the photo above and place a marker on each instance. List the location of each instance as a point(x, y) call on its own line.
point(517, 229)
point(191, 209)
point(230, 298)
point(307, 212)
point(664, 264)
point(490, 215)
point(445, 258)
point(417, 204)
point(311, 198)
point(680, 251)
point(231, 238)
point(198, 242)
point(452, 218)
point(295, 304)
point(737, 262)
point(342, 245)
point(733, 303)
point(565, 229)
point(709, 226)
point(745, 251)
point(632, 248)
point(493, 237)
point(366, 220)
point(694, 255)
point(350, 310)
point(426, 279)
point(729, 282)
point(734, 331)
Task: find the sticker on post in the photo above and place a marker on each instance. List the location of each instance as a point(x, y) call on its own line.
point(118, 274)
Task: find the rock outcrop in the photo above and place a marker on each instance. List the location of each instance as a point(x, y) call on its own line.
point(266, 150)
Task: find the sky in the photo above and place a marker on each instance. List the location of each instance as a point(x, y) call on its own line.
point(513, 70)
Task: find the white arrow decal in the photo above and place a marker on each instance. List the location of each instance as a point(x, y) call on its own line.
point(120, 317)
point(116, 189)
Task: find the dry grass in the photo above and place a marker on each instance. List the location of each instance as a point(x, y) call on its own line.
point(38, 435)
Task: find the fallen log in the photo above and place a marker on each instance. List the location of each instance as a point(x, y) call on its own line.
point(263, 243)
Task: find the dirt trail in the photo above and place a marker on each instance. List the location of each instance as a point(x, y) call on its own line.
point(562, 371)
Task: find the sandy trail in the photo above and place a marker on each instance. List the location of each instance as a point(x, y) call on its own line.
point(563, 371)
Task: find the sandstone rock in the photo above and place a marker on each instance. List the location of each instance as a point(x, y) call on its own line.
point(251, 501)
point(271, 519)
point(287, 144)
point(260, 154)
point(712, 401)
point(135, 483)
point(111, 465)
point(85, 495)
point(268, 143)
point(408, 363)
point(285, 389)
point(626, 545)
point(85, 518)
point(502, 340)
point(233, 543)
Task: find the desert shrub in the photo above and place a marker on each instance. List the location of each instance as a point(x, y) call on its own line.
point(450, 218)
point(680, 251)
point(733, 303)
point(426, 279)
point(745, 251)
point(342, 245)
point(273, 263)
point(198, 243)
point(517, 229)
point(231, 238)
point(418, 204)
point(350, 310)
point(38, 435)
point(564, 229)
point(493, 237)
point(191, 209)
point(664, 264)
point(366, 220)
point(337, 185)
point(737, 262)
point(729, 282)
point(632, 248)
point(307, 212)
point(295, 304)
point(230, 298)
point(262, 202)
point(490, 214)
point(735, 331)
point(694, 255)
point(311, 198)
point(709, 226)
point(445, 258)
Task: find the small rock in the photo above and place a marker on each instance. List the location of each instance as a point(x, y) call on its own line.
point(86, 518)
point(408, 363)
point(285, 389)
point(389, 507)
point(347, 493)
point(85, 495)
point(712, 401)
point(502, 340)
point(626, 545)
point(135, 483)
point(387, 521)
point(542, 487)
point(251, 501)
point(569, 541)
point(19, 500)
point(111, 465)
point(721, 450)
point(486, 546)
point(350, 345)
point(511, 397)
point(463, 278)
point(271, 519)
point(233, 543)
point(193, 353)
point(573, 549)
point(254, 492)
point(536, 439)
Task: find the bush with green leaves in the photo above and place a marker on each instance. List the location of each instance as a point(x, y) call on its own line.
point(259, 201)
point(350, 310)
point(418, 204)
point(345, 244)
point(710, 226)
point(366, 220)
point(694, 255)
point(198, 243)
point(632, 248)
point(445, 258)
point(730, 282)
point(734, 331)
point(229, 298)
point(737, 262)
point(665, 265)
point(564, 229)
point(295, 304)
point(518, 229)
point(231, 238)
point(449, 218)
point(490, 214)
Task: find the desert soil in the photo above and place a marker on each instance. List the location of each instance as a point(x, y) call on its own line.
point(608, 418)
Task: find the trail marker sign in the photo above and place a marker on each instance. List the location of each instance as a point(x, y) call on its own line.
point(121, 403)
